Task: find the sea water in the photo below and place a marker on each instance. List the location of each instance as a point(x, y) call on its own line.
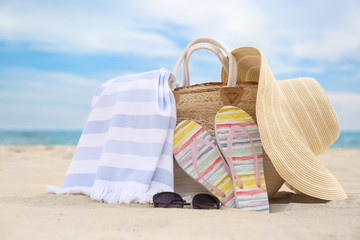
point(348, 139)
point(53, 136)
point(59, 136)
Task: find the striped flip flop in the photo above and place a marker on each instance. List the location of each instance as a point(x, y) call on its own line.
point(198, 155)
point(239, 141)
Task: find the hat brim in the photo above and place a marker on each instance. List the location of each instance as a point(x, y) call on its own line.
point(296, 123)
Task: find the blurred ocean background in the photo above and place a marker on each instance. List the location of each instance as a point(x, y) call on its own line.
point(48, 137)
point(60, 136)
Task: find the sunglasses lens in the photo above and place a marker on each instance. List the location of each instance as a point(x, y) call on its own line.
point(205, 201)
point(168, 200)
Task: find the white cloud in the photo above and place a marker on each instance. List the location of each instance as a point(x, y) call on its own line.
point(347, 108)
point(79, 28)
point(33, 98)
point(327, 30)
point(30, 84)
point(332, 44)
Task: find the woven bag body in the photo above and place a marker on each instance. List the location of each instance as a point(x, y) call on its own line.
point(201, 102)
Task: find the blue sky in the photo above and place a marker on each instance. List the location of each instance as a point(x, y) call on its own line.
point(54, 54)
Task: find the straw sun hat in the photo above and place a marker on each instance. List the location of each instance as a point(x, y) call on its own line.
point(296, 123)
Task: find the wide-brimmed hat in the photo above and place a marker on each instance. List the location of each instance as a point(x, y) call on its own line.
point(296, 122)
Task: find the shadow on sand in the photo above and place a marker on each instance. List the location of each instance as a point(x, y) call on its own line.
point(291, 197)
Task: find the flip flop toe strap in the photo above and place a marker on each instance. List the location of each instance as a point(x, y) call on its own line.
point(194, 153)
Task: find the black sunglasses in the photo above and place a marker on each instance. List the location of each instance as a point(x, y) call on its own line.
point(174, 200)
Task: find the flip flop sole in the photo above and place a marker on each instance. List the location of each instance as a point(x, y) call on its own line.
point(251, 196)
point(208, 159)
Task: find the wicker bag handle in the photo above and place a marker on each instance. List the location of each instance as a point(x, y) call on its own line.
point(216, 47)
point(186, 65)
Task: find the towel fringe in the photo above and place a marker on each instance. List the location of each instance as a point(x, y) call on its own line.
point(111, 192)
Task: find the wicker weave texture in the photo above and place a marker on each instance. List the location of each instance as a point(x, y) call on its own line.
point(201, 102)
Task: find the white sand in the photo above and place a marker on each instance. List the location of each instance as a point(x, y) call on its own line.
point(27, 212)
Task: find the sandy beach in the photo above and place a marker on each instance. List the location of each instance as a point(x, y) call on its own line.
point(28, 212)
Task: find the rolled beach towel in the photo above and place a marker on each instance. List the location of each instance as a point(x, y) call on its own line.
point(125, 151)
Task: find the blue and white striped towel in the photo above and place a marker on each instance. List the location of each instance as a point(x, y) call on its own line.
point(125, 150)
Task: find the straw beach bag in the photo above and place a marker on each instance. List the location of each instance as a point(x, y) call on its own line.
point(201, 102)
